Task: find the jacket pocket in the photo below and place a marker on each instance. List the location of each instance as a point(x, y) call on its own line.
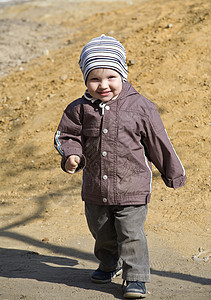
point(91, 132)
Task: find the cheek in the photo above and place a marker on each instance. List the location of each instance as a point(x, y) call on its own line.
point(91, 90)
point(119, 87)
point(91, 87)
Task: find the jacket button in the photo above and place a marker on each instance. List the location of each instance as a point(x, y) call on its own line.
point(107, 107)
point(105, 130)
point(104, 153)
point(105, 177)
point(105, 200)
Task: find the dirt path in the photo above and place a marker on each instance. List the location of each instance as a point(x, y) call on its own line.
point(45, 248)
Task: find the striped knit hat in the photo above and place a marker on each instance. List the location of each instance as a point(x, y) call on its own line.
point(103, 52)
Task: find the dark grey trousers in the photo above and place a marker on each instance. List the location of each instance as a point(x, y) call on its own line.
point(120, 239)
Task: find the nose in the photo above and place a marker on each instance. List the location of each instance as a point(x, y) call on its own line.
point(103, 84)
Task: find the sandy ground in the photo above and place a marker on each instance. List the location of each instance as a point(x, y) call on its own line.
point(46, 251)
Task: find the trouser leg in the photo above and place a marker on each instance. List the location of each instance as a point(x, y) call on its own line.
point(133, 249)
point(120, 237)
point(100, 221)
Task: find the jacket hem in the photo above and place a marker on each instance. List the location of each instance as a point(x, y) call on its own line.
point(137, 200)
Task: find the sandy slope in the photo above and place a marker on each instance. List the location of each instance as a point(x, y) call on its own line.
point(46, 247)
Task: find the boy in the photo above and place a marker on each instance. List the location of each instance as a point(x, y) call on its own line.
point(113, 134)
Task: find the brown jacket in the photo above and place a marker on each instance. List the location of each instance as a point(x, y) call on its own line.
point(117, 148)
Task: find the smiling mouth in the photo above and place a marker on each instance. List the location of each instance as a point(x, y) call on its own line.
point(104, 93)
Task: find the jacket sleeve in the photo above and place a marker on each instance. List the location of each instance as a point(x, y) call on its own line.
point(67, 139)
point(161, 153)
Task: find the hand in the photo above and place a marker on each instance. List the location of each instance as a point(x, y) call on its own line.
point(72, 163)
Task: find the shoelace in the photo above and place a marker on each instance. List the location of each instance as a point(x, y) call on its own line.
point(123, 283)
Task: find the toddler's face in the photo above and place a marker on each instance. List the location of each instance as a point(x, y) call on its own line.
point(104, 84)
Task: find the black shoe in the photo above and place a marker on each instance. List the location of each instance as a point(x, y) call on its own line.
point(100, 276)
point(134, 289)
